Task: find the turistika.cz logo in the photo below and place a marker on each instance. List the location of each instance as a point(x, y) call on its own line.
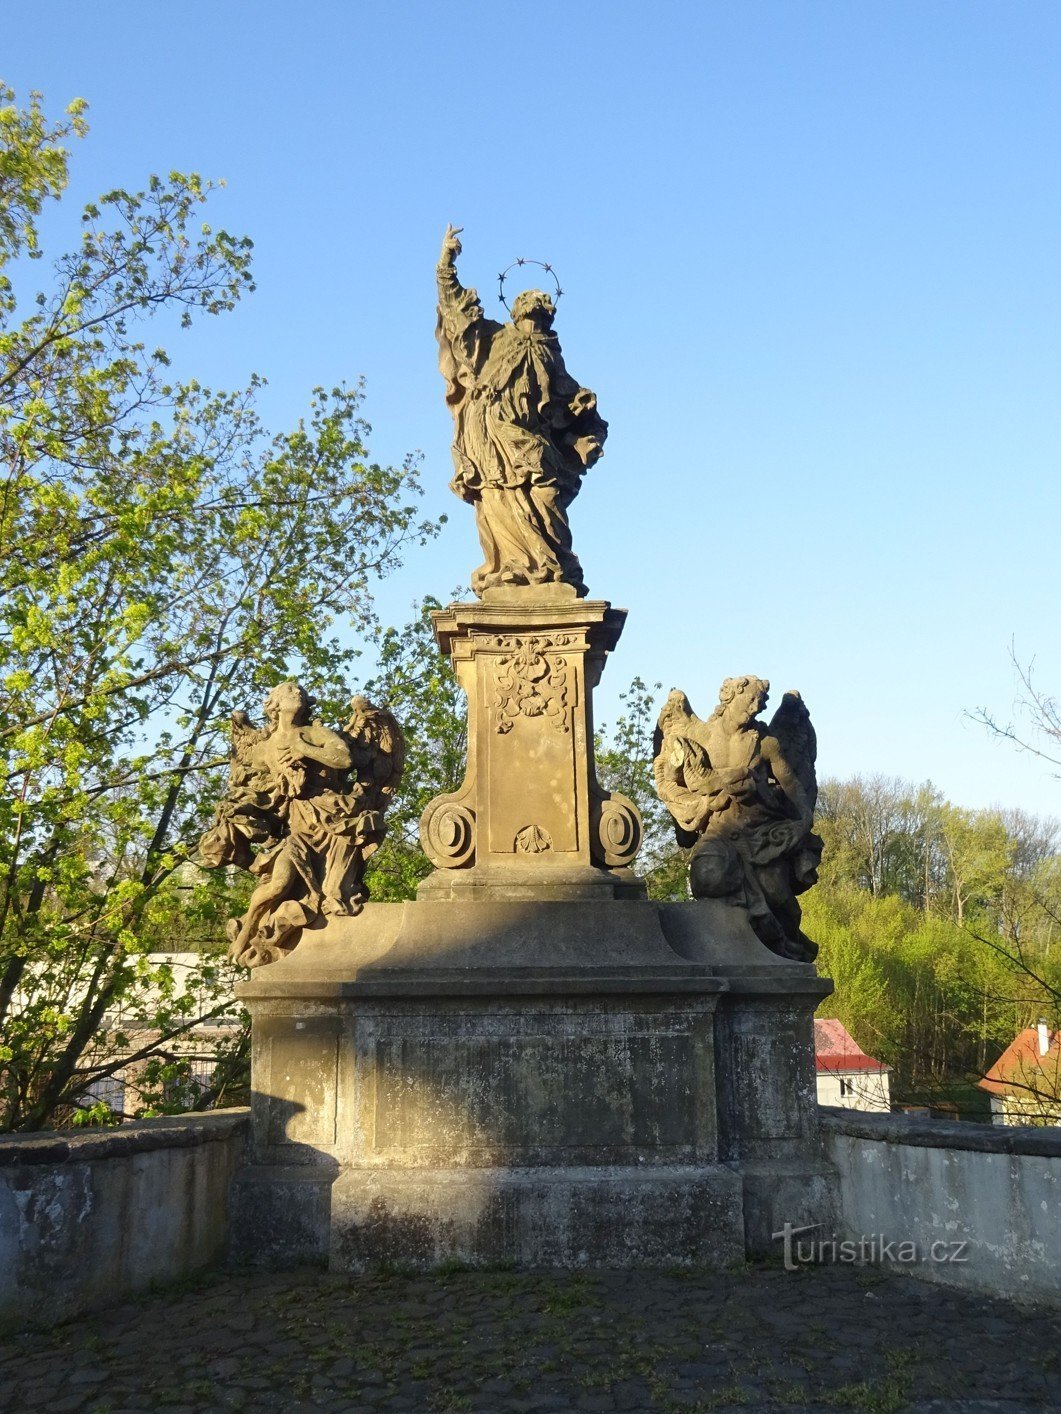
point(802, 1250)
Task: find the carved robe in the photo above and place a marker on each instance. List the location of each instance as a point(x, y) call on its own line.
point(525, 432)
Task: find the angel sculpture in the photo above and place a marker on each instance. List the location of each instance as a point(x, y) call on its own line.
point(742, 795)
point(304, 813)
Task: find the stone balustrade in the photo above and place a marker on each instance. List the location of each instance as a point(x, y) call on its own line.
point(90, 1216)
point(980, 1204)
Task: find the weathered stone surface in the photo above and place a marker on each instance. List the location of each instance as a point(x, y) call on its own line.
point(566, 1217)
point(515, 1042)
point(768, 1109)
point(304, 812)
point(519, 946)
point(530, 820)
point(981, 1203)
point(281, 1214)
point(921, 1132)
point(742, 795)
point(89, 1218)
point(524, 434)
point(484, 1082)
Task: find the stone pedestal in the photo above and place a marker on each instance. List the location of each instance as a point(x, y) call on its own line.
point(544, 1083)
point(530, 820)
point(531, 1062)
point(764, 1060)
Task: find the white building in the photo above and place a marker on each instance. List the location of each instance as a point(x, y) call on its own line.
point(1025, 1082)
point(846, 1075)
point(192, 1051)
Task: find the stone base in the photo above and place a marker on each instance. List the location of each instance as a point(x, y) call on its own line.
point(549, 1084)
point(281, 1215)
point(778, 1191)
point(565, 1217)
point(558, 883)
point(531, 820)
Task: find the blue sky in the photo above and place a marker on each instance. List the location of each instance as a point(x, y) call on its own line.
point(811, 258)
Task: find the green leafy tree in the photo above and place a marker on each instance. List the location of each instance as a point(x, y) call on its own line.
point(167, 560)
point(417, 683)
point(1030, 896)
point(879, 834)
point(978, 853)
point(912, 987)
point(624, 763)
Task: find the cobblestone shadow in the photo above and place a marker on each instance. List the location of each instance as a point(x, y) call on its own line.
point(757, 1338)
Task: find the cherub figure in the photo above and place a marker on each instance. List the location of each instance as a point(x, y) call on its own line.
point(304, 813)
point(743, 795)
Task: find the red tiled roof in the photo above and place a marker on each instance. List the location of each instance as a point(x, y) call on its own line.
point(835, 1049)
point(1020, 1069)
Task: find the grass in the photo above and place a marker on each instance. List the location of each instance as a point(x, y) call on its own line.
point(888, 1396)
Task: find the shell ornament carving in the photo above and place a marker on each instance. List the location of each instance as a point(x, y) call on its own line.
point(533, 839)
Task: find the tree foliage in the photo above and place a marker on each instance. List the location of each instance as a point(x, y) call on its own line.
point(167, 560)
point(624, 763)
point(939, 925)
point(419, 685)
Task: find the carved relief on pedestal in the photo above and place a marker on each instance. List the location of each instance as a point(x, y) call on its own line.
point(447, 833)
point(617, 832)
point(532, 839)
point(530, 811)
point(528, 683)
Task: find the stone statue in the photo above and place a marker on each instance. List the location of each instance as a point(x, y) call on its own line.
point(743, 795)
point(525, 432)
point(304, 813)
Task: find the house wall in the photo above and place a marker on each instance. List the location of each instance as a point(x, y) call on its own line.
point(995, 1191)
point(1024, 1110)
point(89, 1217)
point(855, 1090)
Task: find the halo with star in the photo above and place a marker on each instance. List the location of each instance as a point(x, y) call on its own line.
point(542, 265)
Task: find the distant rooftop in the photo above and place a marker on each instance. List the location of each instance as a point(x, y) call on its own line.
point(835, 1049)
point(1026, 1066)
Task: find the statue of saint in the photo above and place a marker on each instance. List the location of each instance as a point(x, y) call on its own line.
point(304, 813)
point(743, 795)
point(525, 432)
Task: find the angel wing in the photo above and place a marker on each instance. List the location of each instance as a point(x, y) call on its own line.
point(376, 731)
point(680, 765)
point(245, 736)
point(791, 727)
point(238, 821)
point(244, 763)
point(675, 718)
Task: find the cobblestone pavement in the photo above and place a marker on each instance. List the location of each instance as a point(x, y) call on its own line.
point(748, 1339)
